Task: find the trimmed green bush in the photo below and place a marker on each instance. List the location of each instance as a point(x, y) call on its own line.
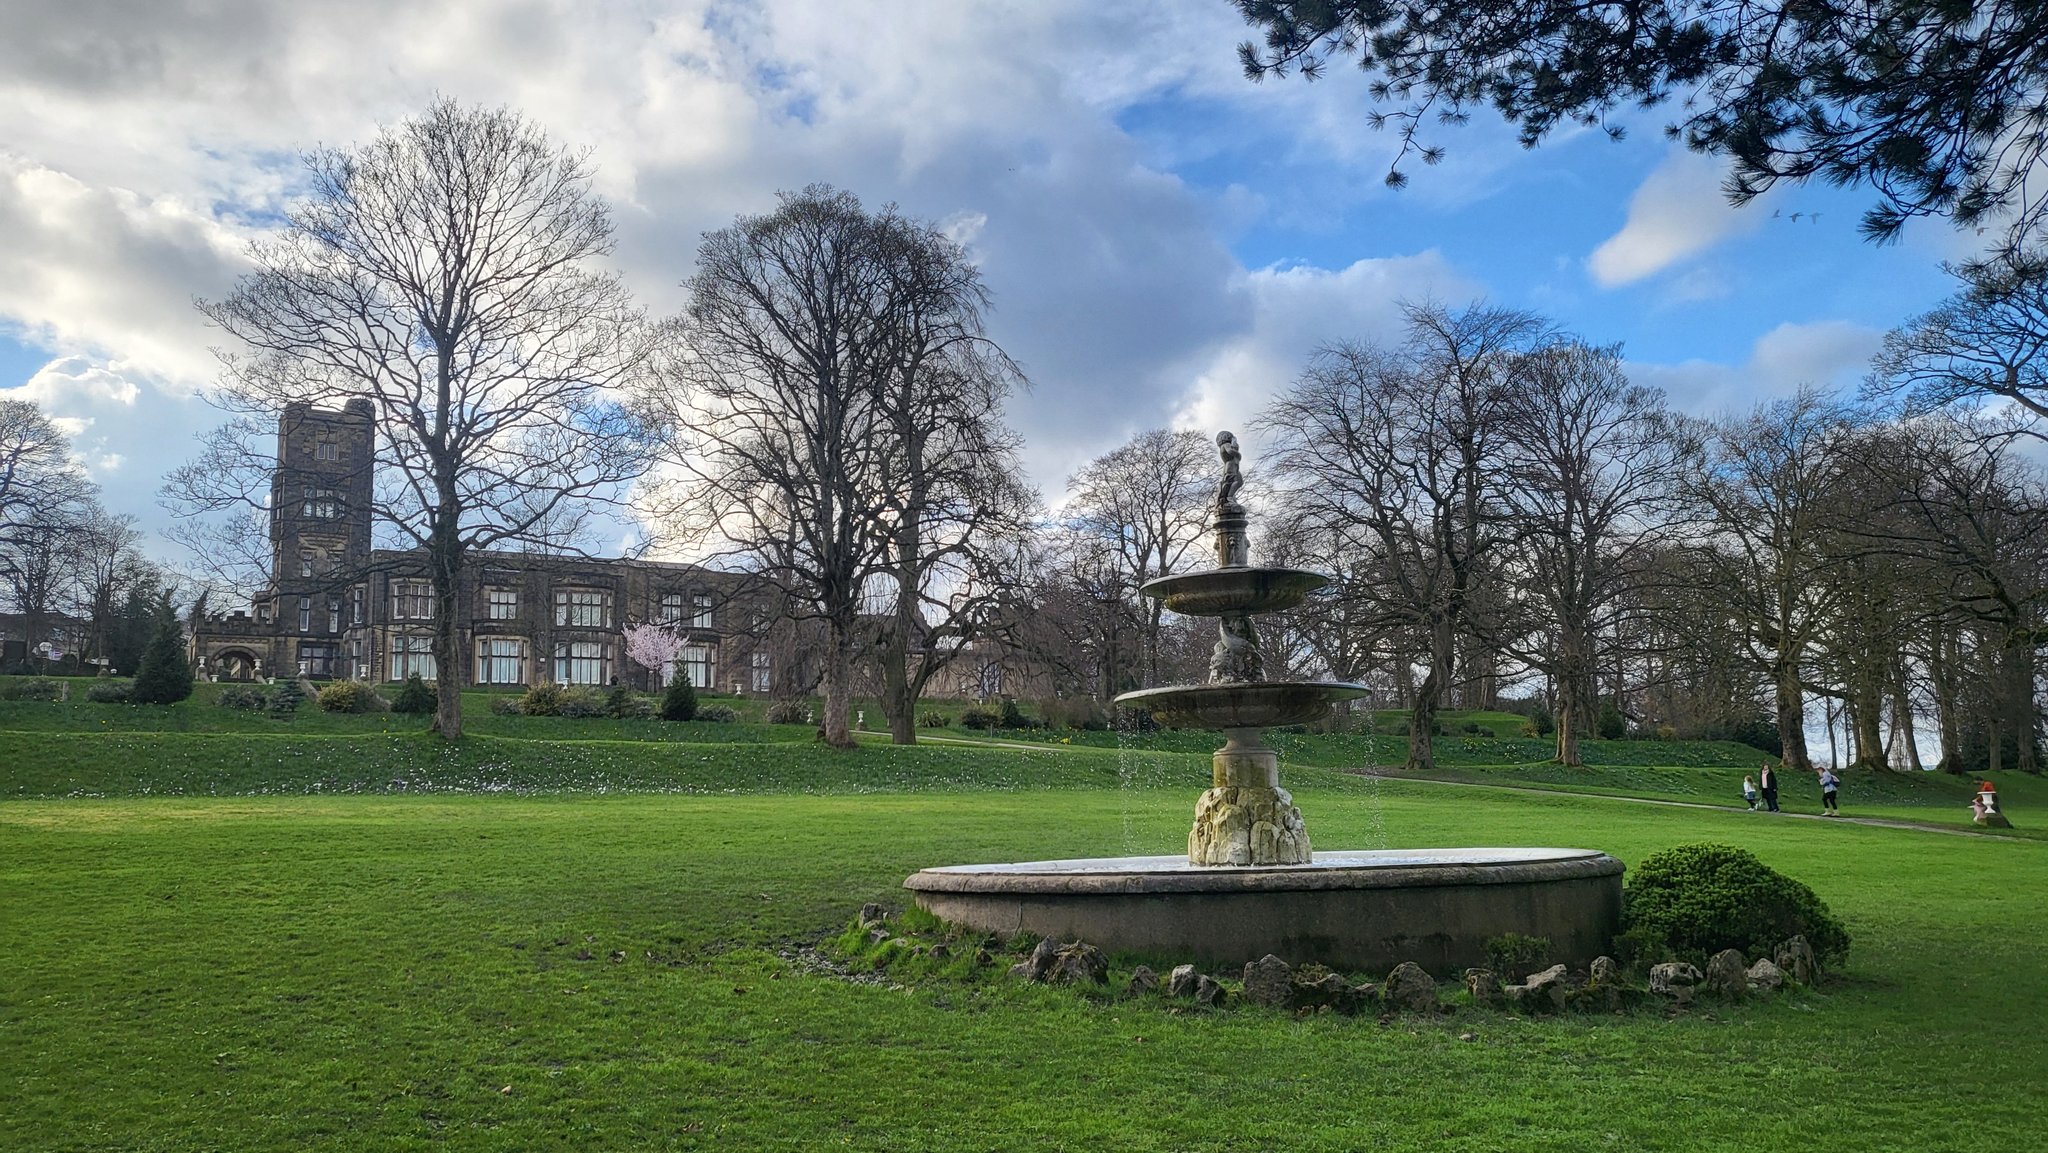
point(934, 720)
point(351, 697)
point(505, 706)
point(111, 692)
point(413, 697)
point(31, 689)
point(679, 702)
point(978, 718)
point(718, 714)
point(1693, 901)
point(580, 703)
point(542, 700)
point(250, 698)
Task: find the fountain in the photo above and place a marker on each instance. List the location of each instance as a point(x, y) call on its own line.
point(1250, 883)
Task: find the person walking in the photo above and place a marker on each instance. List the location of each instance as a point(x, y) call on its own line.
point(1829, 785)
point(1767, 784)
point(1749, 792)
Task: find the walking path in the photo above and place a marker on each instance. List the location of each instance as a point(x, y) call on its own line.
point(1875, 822)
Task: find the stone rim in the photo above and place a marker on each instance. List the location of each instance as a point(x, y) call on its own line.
point(1336, 871)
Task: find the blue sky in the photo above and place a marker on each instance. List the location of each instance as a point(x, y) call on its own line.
point(1166, 241)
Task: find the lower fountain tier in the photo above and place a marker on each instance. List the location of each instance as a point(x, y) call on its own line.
point(1244, 704)
point(1362, 912)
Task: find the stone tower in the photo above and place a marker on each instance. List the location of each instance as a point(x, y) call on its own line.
point(320, 498)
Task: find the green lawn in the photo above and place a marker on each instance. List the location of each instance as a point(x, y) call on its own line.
point(394, 971)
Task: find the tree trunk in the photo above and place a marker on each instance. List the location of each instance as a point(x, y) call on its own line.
point(1867, 713)
point(1941, 673)
point(2026, 711)
point(1428, 697)
point(444, 558)
point(898, 702)
point(835, 727)
point(1569, 686)
point(1902, 716)
point(1791, 704)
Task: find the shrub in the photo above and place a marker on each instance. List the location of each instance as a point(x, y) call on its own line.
point(111, 692)
point(31, 689)
point(580, 703)
point(1667, 733)
point(789, 712)
point(718, 714)
point(621, 704)
point(505, 705)
point(1127, 719)
point(1540, 723)
point(624, 704)
point(1077, 712)
point(1475, 729)
point(542, 700)
point(351, 697)
point(679, 703)
point(286, 698)
point(1693, 901)
point(934, 720)
point(1611, 726)
point(164, 678)
point(1513, 956)
point(249, 697)
point(413, 697)
point(980, 718)
point(1014, 718)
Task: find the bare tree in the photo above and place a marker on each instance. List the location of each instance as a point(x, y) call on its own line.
point(1770, 483)
point(1987, 343)
point(1593, 464)
point(1146, 504)
point(1398, 454)
point(41, 487)
point(837, 418)
point(441, 273)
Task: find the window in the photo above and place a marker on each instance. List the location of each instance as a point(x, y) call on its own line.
point(306, 562)
point(305, 614)
point(581, 663)
point(263, 611)
point(700, 611)
point(412, 601)
point(501, 604)
point(696, 665)
point(585, 608)
point(500, 661)
point(355, 658)
point(411, 655)
point(671, 609)
point(316, 660)
point(333, 616)
point(321, 503)
point(355, 605)
point(760, 673)
point(327, 450)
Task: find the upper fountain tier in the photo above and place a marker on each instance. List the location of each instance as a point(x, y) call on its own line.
point(1223, 591)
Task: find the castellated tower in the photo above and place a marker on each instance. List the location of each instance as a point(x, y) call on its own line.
point(320, 498)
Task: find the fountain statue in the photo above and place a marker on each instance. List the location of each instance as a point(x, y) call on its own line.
point(1251, 884)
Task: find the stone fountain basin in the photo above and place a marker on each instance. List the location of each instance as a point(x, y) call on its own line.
point(1248, 705)
point(1361, 911)
point(1214, 592)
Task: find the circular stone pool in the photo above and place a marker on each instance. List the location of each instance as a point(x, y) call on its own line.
point(1365, 911)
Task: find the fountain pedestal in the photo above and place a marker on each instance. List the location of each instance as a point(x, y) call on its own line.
point(1246, 818)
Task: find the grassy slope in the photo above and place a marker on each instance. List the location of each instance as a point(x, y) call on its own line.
point(375, 972)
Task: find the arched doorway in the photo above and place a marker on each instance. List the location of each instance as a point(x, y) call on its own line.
point(234, 665)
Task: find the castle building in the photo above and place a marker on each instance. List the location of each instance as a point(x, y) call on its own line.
point(337, 607)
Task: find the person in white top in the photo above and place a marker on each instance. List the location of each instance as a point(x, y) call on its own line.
point(1829, 785)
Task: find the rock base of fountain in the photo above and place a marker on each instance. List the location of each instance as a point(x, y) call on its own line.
point(1362, 912)
point(1246, 818)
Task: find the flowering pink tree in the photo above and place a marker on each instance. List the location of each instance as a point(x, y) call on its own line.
point(652, 646)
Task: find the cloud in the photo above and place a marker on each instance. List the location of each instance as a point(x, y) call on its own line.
point(1826, 354)
point(1678, 212)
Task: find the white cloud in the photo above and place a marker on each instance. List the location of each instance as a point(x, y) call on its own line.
point(1825, 353)
point(1678, 212)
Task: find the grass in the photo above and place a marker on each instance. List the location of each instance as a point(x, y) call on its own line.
point(404, 971)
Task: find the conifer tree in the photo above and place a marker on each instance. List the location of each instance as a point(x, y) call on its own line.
point(164, 678)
